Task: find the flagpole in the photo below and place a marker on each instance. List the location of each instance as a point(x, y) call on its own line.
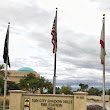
point(5, 82)
point(54, 77)
point(104, 65)
point(5, 86)
point(104, 85)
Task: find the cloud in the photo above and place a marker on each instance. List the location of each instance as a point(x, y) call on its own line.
point(104, 5)
point(78, 55)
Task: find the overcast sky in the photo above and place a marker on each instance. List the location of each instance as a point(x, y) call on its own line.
point(79, 25)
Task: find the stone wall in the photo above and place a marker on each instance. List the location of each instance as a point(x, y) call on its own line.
point(50, 102)
point(20, 100)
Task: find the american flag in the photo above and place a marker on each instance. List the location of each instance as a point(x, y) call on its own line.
point(54, 34)
point(102, 42)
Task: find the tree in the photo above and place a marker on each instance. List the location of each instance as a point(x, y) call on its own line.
point(66, 89)
point(108, 92)
point(32, 83)
point(29, 82)
point(1, 84)
point(58, 90)
point(48, 85)
point(86, 87)
point(1, 79)
point(93, 91)
point(1, 67)
point(10, 85)
point(13, 86)
point(83, 87)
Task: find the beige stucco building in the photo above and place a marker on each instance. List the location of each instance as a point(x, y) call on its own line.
point(16, 75)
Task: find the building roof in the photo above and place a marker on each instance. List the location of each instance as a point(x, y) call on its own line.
point(26, 69)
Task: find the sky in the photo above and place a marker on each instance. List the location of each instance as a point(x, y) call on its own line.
point(79, 24)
